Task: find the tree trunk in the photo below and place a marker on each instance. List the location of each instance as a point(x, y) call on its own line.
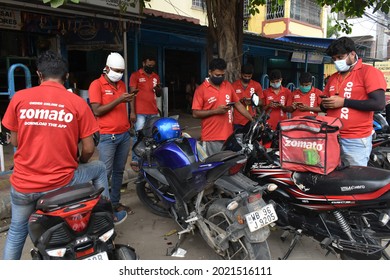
point(225, 33)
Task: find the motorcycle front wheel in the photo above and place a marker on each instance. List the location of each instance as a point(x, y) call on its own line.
point(242, 249)
point(150, 199)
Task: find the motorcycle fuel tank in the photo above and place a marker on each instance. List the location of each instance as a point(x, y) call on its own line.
point(177, 154)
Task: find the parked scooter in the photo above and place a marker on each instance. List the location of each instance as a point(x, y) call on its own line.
point(74, 223)
point(212, 196)
point(347, 211)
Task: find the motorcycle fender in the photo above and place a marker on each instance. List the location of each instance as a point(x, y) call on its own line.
point(156, 174)
point(259, 235)
point(235, 184)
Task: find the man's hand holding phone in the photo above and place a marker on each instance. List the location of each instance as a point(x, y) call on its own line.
point(135, 92)
point(231, 104)
point(275, 104)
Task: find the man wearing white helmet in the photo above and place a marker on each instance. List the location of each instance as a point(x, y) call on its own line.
point(109, 100)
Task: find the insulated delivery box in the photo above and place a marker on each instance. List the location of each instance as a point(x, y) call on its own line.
point(310, 143)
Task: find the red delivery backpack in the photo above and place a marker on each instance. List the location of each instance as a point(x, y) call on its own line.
point(310, 143)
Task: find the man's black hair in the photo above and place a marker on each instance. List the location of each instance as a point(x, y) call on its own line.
point(217, 63)
point(52, 65)
point(247, 69)
point(275, 75)
point(305, 77)
point(342, 45)
point(149, 57)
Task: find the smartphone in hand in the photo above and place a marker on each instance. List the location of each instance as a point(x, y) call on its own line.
point(230, 103)
point(135, 91)
point(299, 103)
point(323, 96)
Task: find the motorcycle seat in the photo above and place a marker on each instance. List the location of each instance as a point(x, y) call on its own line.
point(351, 180)
point(67, 195)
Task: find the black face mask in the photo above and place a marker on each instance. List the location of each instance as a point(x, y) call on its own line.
point(246, 80)
point(148, 69)
point(217, 80)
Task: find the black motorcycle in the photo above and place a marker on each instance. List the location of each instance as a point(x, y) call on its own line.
point(75, 223)
point(346, 211)
point(210, 196)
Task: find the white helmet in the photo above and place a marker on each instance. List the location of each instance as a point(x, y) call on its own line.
point(115, 60)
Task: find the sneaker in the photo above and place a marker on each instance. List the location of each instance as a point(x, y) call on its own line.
point(119, 217)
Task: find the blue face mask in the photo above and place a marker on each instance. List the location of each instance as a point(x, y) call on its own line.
point(305, 89)
point(276, 85)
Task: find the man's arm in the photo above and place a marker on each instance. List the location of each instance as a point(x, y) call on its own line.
point(87, 149)
point(241, 108)
point(375, 102)
point(14, 138)
point(201, 114)
point(100, 110)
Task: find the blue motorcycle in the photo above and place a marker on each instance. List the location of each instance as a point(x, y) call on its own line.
point(212, 196)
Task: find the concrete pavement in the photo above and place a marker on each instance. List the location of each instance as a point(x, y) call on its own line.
point(154, 237)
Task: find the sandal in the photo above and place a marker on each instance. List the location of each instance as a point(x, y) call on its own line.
point(134, 165)
point(120, 207)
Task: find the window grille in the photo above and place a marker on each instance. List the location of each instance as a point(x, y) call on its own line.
point(277, 13)
point(306, 11)
point(197, 3)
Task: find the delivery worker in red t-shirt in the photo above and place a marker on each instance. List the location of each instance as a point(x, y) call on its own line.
point(46, 124)
point(245, 87)
point(213, 102)
point(109, 99)
point(277, 98)
point(306, 99)
point(354, 92)
point(144, 106)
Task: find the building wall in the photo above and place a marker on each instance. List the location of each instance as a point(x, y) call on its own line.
point(179, 7)
point(285, 26)
point(369, 30)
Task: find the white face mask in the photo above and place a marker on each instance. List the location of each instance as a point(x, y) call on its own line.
point(342, 66)
point(114, 76)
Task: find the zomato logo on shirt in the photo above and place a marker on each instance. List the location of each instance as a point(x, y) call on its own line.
point(45, 114)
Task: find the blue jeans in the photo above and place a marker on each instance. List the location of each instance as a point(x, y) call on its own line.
point(357, 150)
point(23, 205)
point(139, 124)
point(113, 151)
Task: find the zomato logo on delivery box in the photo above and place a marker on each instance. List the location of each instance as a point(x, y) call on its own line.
point(303, 144)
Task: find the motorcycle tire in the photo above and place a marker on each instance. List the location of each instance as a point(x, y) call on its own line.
point(219, 215)
point(123, 252)
point(150, 199)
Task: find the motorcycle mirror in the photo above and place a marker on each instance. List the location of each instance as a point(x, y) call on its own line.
point(255, 99)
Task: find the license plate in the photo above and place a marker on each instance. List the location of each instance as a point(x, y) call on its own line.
point(260, 218)
point(98, 257)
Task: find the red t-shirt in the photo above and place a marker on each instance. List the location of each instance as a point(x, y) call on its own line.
point(145, 101)
point(208, 97)
point(362, 80)
point(102, 92)
point(277, 114)
point(49, 121)
point(311, 99)
point(253, 87)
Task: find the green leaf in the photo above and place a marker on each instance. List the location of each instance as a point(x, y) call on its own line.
point(56, 3)
point(75, 1)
